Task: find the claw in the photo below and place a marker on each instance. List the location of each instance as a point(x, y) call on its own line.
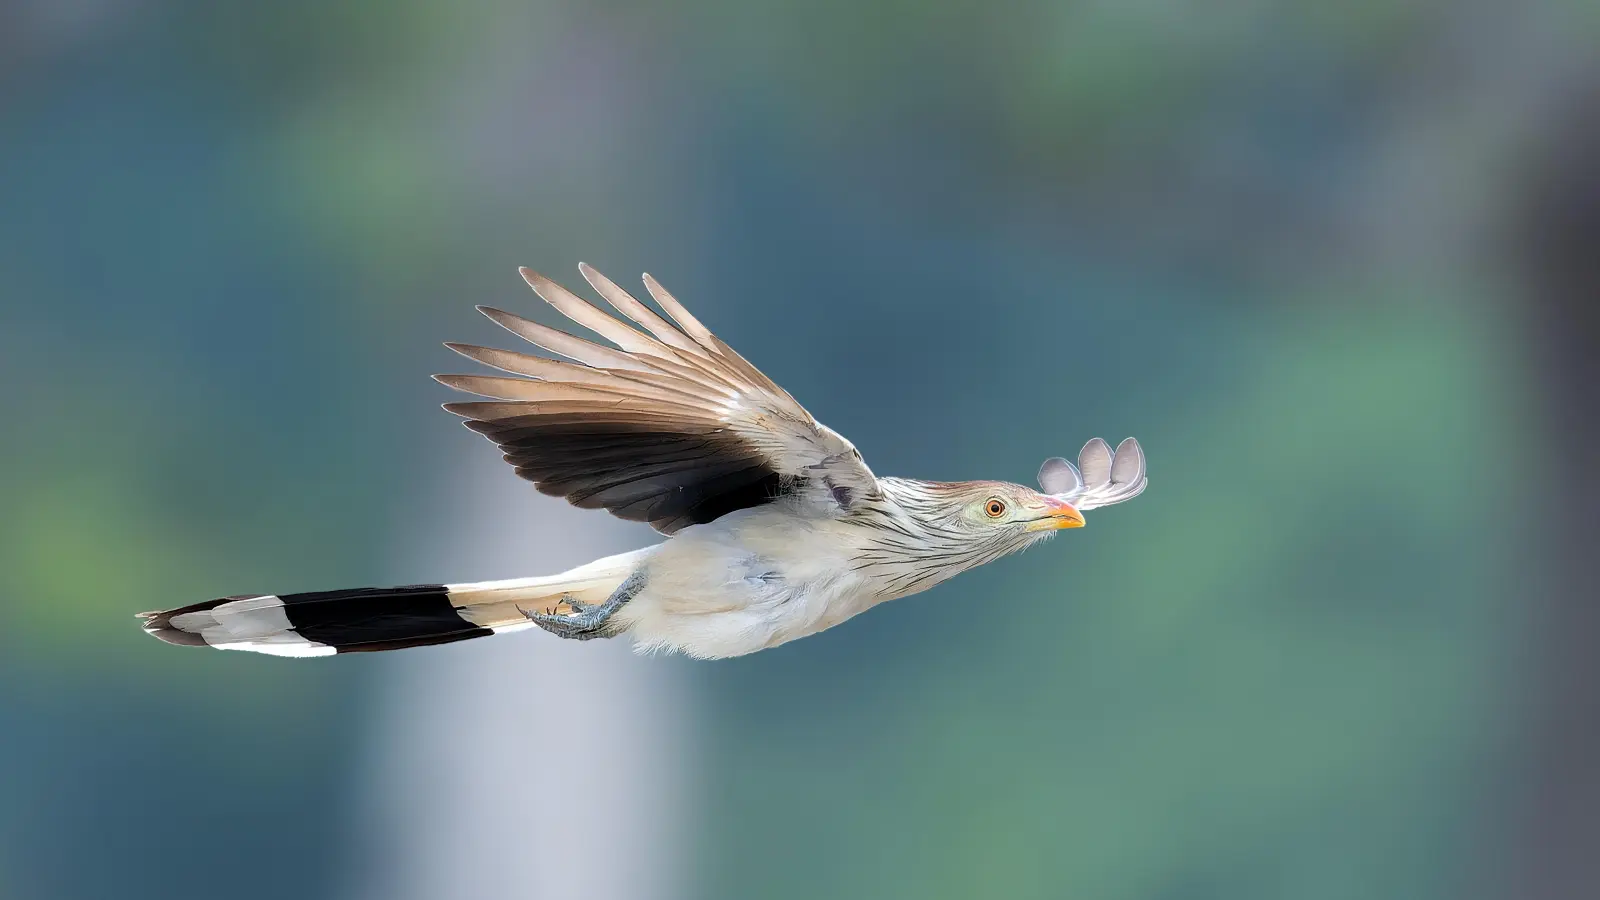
point(575, 625)
point(584, 620)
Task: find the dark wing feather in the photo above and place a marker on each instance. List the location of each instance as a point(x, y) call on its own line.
point(670, 427)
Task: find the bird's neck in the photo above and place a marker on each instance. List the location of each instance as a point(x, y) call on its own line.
point(913, 540)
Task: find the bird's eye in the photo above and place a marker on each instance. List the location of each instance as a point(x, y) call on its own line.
point(995, 508)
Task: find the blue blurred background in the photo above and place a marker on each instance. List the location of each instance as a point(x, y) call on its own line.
point(1333, 264)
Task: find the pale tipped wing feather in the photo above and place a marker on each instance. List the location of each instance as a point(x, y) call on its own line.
point(670, 426)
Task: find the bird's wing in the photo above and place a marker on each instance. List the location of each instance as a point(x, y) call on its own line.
point(1102, 476)
point(670, 427)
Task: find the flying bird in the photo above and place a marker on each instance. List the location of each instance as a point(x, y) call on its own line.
point(776, 528)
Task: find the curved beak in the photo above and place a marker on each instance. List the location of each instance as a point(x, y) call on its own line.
point(1058, 514)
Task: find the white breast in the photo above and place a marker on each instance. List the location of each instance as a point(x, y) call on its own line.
point(750, 580)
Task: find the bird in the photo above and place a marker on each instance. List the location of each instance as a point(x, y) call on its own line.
point(775, 527)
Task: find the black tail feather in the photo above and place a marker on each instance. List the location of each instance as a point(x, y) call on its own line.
point(321, 622)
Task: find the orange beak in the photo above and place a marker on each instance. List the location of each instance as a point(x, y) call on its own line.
point(1058, 514)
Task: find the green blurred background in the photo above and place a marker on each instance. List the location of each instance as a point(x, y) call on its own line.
point(1333, 264)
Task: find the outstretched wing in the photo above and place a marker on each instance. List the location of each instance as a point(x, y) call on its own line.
point(670, 427)
point(1102, 476)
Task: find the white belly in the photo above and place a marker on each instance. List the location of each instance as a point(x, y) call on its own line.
point(748, 581)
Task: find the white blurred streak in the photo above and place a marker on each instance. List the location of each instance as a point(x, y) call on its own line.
point(524, 766)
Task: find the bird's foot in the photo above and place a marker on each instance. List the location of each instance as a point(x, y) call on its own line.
point(586, 621)
point(581, 624)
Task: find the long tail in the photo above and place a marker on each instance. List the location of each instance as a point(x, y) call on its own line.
point(371, 619)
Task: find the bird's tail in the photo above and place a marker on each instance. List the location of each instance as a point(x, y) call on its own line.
point(371, 619)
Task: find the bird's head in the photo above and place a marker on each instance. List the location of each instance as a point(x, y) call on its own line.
point(943, 528)
point(970, 522)
point(940, 529)
point(999, 507)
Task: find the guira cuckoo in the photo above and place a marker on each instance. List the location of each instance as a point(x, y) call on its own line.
point(776, 527)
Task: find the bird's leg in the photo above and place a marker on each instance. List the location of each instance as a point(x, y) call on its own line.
point(586, 622)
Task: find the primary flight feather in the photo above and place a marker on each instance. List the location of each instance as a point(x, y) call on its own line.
point(777, 528)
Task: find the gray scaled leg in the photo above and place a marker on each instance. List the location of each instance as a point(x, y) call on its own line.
point(586, 622)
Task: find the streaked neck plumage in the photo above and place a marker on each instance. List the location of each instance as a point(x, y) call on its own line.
point(916, 537)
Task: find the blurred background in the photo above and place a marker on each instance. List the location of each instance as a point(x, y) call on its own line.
point(1334, 265)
